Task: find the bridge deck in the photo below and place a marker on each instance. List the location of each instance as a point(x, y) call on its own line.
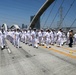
point(42, 61)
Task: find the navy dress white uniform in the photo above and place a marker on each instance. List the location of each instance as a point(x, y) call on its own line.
point(40, 37)
point(34, 39)
point(48, 40)
point(75, 38)
point(43, 38)
point(23, 36)
point(59, 38)
point(29, 37)
point(52, 37)
point(55, 36)
point(2, 44)
point(67, 42)
point(17, 36)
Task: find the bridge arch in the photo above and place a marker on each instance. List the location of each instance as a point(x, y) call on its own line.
point(4, 26)
point(39, 13)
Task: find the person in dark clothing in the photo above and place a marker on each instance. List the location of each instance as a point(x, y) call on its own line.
point(70, 38)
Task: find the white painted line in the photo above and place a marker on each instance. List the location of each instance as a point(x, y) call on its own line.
point(9, 51)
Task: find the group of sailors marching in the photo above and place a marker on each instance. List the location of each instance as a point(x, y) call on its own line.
point(36, 37)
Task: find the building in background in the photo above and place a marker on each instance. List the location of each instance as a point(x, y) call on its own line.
point(24, 26)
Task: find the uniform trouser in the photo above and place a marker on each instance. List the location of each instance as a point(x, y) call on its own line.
point(25, 39)
point(43, 41)
point(4, 41)
point(55, 38)
point(52, 40)
point(47, 42)
point(40, 40)
point(59, 41)
point(34, 42)
point(30, 41)
point(17, 42)
point(71, 42)
point(14, 41)
point(1, 42)
point(11, 39)
point(67, 42)
point(7, 37)
point(74, 41)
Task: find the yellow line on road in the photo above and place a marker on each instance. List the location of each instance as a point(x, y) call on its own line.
point(66, 54)
point(68, 49)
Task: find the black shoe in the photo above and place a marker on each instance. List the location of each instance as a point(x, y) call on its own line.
point(2, 48)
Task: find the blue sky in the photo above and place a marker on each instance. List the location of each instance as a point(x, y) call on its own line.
point(19, 12)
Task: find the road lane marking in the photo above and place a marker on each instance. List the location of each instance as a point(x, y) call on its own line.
point(9, 51)
point(68, 49)
point(64, 53)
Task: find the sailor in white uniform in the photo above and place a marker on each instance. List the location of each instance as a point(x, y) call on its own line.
point(67, 42)
point(55, 36)
point(29, 37)
point(17, 36)
point(59, 38)
point(23, 36)
point(2, 43)
point(48, 40)
point(34, 38)
point(43, 37)
point(52, 37)
point(40, 36)
point(75, 39)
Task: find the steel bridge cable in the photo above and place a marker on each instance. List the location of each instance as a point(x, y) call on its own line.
point(42, 19)
point(67, 12)
point(50, 13)
point(56, 13)
point(70, 17)
point(43, 16)
point(73, 23)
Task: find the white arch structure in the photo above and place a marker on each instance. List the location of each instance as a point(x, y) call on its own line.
point(14, 26)
point(4, 26)
point(40, 12)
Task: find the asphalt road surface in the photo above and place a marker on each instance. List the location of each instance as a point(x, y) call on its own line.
point(27, 60)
